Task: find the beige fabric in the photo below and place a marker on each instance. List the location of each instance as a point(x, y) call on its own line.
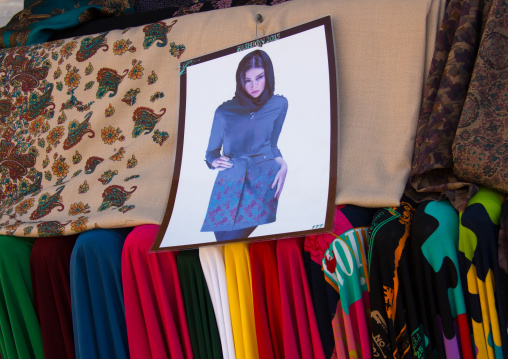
point(383, 50)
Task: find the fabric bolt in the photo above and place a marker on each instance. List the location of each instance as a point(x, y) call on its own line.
point(440, 298)
point(40, 18)
point(154, 309)
point(479, 153)
point(502, 243)
point(241, 306)
point(203, 330)
point(478, 259)
point(50, 270)
point(300, 331)
point(324, 295)
point(212, 263)
point(85, 114)
point(388, 258)
point(266, 298)
point(147, 5)
point(345, 266)
point(432, 175)
point(98, 313)
point(20, 332)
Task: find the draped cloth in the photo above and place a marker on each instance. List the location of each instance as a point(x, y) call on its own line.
point(98, 314)
point(203, 330)
point(212, 263)
point(300, 331)
point(445, 91)
point(20, 332)
point(241, 306)
point(154, 309)
point(50, 269)
point(266, 297)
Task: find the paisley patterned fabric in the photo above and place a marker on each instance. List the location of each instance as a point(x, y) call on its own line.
point(480, 149)
point(76, 117)
point(40, 18)
point(445, 91)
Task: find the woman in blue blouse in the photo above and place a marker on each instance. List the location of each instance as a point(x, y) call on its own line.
point(251, 170)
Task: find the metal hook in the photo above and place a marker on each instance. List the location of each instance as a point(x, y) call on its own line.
point(259, 20)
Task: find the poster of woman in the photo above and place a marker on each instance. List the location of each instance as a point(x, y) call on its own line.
point(257, 158)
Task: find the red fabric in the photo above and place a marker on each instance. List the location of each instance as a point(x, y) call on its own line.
point(465, 337)
point(154, 311)
point(266, 295)
point(50, 270)
point(300, 330)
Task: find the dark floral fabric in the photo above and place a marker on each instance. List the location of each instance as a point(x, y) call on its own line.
point(480, 149)
point(432, 176)
point(40, 18)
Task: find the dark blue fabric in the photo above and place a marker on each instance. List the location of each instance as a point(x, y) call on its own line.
point(98, 312)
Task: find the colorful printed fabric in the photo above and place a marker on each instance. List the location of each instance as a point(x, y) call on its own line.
point(212, 263)
point(203, 330)
point(266, 297)
point(345, 266)
point(503, 257)
point(20, 332)
point(154, 310)
point(241, 306)
point(40, 18)
point(80, 129)
point(478, 259)
point(50, 270)
point(299, 327)
point(388, 258)
point(444, 94)
point(98, 312)
point(440, 299)
point(325, 296)
point(479, 148)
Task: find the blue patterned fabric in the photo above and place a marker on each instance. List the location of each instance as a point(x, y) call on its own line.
point(98, 311)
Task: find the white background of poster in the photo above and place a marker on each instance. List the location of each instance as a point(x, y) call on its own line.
point(301, 73)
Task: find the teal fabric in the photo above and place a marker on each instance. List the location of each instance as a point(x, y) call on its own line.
point(37, 22)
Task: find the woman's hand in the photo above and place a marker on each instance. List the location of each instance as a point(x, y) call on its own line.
point(280, 177)
point(222, 163)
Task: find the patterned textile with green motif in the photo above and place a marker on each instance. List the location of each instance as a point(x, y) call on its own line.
point(40, 18)
point(84, 140)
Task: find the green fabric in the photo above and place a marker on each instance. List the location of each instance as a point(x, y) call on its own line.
point(20, 332)
point(203, 330)
point(40, 18)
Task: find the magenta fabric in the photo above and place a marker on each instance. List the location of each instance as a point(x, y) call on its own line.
point(300, 331)
point(266, 296)
point(154, 310)
point(50, 270)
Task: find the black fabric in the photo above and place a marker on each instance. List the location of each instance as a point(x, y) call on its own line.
point(148, 5)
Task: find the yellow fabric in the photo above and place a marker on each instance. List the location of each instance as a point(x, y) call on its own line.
point(241, 305)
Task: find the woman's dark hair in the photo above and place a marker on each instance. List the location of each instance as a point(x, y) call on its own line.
point(255, 59)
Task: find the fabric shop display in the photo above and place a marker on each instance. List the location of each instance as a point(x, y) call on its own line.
point(325, 294)
point(432, 175)
point(20, 332)
point(50, 271)
point(212, 263)
point(440, 298)
point(98, 313)
point(479, 267)
point(89, 124)
point(395, 332)
point(154, 309)
point(203, 330)
point(40, 18)
point(299, 327)
point(239, 283)
point(479, 148)
point(266, 298)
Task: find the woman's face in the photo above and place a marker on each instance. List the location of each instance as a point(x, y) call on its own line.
point(255, 81)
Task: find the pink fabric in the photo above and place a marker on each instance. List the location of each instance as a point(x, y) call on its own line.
point(154, 310)
point(300, 330)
